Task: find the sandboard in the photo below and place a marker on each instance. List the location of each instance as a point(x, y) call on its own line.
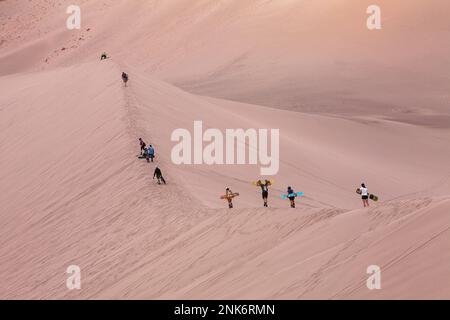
point(298, 194)
point(371, 196)
point(256, 183)
point(233, 195)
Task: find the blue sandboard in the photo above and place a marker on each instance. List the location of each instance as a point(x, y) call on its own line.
point(298, 194)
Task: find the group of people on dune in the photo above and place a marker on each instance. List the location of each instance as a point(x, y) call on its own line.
point(290, 194)
point(264, 185)
point(148, 152)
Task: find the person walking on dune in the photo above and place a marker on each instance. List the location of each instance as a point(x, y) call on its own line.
point(143, 145)
point(264, 184)
point(125, 78)
point(146, 155)
point(291, 196)
point(158, 175)
point(229, 195)
point(150, 152)
point(364, 195)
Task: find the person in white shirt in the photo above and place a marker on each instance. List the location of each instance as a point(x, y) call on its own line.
point(364, 195)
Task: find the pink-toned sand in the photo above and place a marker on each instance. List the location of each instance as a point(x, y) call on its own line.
point(351, 106)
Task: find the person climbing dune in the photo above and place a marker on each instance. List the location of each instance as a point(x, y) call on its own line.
point(146, 155)
point(364, 194)
point(125, 78)
point(150, 152)
point(142, 145)
point(291, 196)
point(264, 184)
point(158, 175)
point(229, 195)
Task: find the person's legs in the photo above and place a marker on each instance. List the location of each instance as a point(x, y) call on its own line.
point(230, 203)
point(365, 202)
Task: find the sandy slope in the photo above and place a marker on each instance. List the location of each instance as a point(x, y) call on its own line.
point(72, 190)
point(80, 196)
point(72, 184)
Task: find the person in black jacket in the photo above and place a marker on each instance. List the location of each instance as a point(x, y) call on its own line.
point(125, 78)
point(143, 145)
point(158, 175)
point(291, 196)
point(264, 184)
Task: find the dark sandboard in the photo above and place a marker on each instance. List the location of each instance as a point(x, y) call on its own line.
point(371, 196)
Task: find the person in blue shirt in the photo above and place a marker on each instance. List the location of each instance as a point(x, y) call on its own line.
point(150, 152)
point(291, 196)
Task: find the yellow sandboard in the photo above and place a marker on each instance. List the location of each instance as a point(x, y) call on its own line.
point(231, 196)
point(257, 183)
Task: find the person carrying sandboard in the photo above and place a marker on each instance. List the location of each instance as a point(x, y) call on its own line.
point(364, 192)
point(264, 184)
point(229, 195)
point(291, 195)
point(365, 195)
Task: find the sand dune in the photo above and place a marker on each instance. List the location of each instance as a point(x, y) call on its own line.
point(349, 108)
point(79, 195)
